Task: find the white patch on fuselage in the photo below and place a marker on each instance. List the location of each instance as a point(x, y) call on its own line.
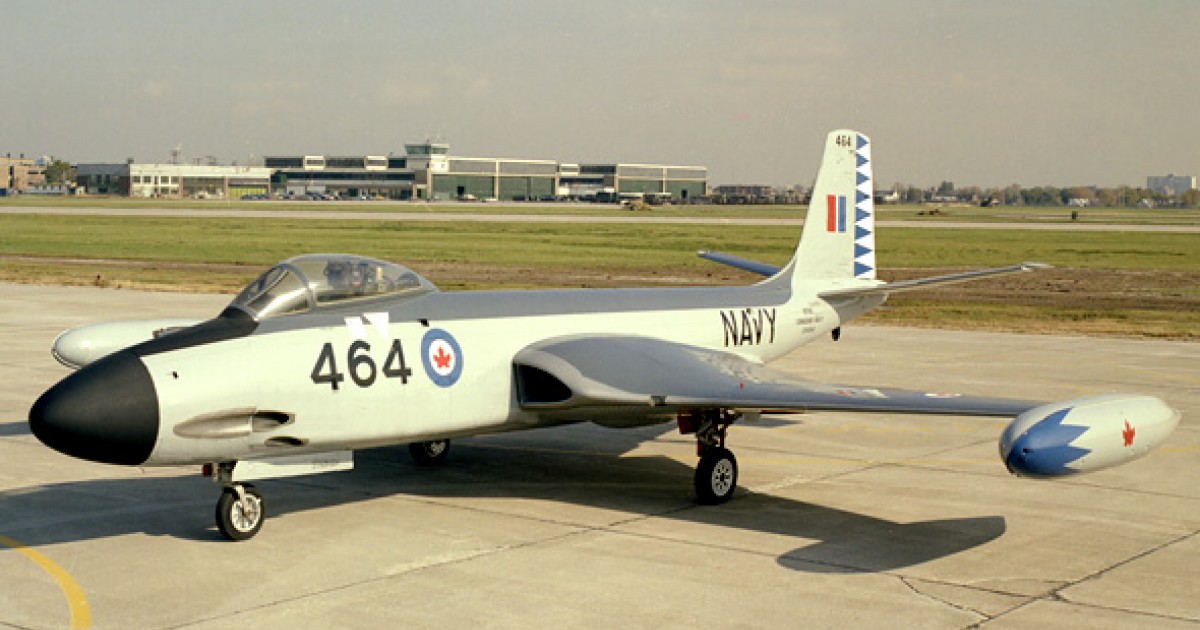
point(379, 321)
point(354, 326)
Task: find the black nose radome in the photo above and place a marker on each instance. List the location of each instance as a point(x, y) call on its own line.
point(107, 412)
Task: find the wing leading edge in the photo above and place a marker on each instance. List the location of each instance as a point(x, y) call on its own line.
point(626, 379)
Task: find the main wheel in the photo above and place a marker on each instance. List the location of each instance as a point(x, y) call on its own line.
point(429, 453)
point(238, 521)
point(716, 476)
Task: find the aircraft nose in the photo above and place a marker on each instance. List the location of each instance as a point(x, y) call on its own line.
point(106, 412)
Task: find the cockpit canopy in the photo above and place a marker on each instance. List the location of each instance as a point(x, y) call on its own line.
point(303, 283)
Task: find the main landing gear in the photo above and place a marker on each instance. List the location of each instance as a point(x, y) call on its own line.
point(717, 471)
point(429, 453)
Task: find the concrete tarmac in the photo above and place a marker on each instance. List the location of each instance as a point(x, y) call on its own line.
point(842, 520)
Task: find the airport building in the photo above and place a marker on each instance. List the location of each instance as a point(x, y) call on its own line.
point(428, 171)
point(176, 181)
point(20, 173)
point(1174, 185)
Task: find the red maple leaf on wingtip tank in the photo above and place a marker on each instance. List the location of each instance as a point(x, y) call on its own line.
point(442, 359)
point(1128, 434)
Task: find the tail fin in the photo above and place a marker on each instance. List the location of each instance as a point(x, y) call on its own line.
point(838, 240)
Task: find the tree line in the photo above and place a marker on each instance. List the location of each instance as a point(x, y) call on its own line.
point(1016, 195)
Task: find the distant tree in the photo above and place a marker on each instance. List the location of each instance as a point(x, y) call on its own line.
point(1106, 197)
point(1191, 198)
point(1131, 197)
point(1011, 195)
point(59, 172)
point(1080, 192)
point(1042, 196)
point(945, 188)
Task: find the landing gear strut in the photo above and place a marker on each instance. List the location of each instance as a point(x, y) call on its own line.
point(717, 472)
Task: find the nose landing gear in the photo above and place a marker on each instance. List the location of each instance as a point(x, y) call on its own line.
point(240, 512)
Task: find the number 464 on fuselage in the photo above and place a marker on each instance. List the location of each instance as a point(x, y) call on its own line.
point(325, 354)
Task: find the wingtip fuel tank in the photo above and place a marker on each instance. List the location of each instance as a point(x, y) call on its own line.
point(1085, 434)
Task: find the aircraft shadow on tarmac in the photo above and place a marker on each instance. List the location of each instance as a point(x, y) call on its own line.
point(566, 464)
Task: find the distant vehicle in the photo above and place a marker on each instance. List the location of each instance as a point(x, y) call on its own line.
point(658, 199)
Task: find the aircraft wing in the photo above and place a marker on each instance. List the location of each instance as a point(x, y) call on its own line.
point(620, 380)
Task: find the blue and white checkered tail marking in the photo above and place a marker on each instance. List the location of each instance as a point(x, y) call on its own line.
point(864, 211)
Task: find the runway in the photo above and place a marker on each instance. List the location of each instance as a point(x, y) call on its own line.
point(842, 520)
point(423, 214)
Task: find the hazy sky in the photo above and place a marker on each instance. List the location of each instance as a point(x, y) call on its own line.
point(986, 93)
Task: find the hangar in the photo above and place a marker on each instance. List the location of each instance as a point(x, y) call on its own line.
point(134, 179)
point(428, 171)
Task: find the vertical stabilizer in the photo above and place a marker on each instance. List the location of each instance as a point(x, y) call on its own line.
point(838, 240)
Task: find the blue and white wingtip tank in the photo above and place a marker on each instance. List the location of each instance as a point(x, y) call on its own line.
point(1085, 435)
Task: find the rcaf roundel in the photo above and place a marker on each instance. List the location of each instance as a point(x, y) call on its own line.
point(442, 357)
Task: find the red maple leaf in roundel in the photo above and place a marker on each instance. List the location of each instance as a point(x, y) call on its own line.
point(1128, 434)
point(442, 359)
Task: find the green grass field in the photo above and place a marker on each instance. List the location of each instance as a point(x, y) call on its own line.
point(221, 254)
point(1020, 214)
point(621, 245)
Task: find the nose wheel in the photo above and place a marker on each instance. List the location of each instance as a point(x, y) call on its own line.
point(240, 512)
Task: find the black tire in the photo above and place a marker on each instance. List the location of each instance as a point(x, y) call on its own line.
point(235, 522)
point(429, 453)
point(716, 476)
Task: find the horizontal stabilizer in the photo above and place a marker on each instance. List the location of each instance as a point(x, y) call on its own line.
point(745, 264)
point(925, 283)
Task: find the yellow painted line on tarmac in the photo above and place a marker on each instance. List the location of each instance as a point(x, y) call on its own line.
point(1168, 375)
point(81, 615)
point(1178, 449)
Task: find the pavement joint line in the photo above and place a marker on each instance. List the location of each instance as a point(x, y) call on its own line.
point(906, 581)
point(1056, 594)
point(1137, 556)
point(81, 614)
